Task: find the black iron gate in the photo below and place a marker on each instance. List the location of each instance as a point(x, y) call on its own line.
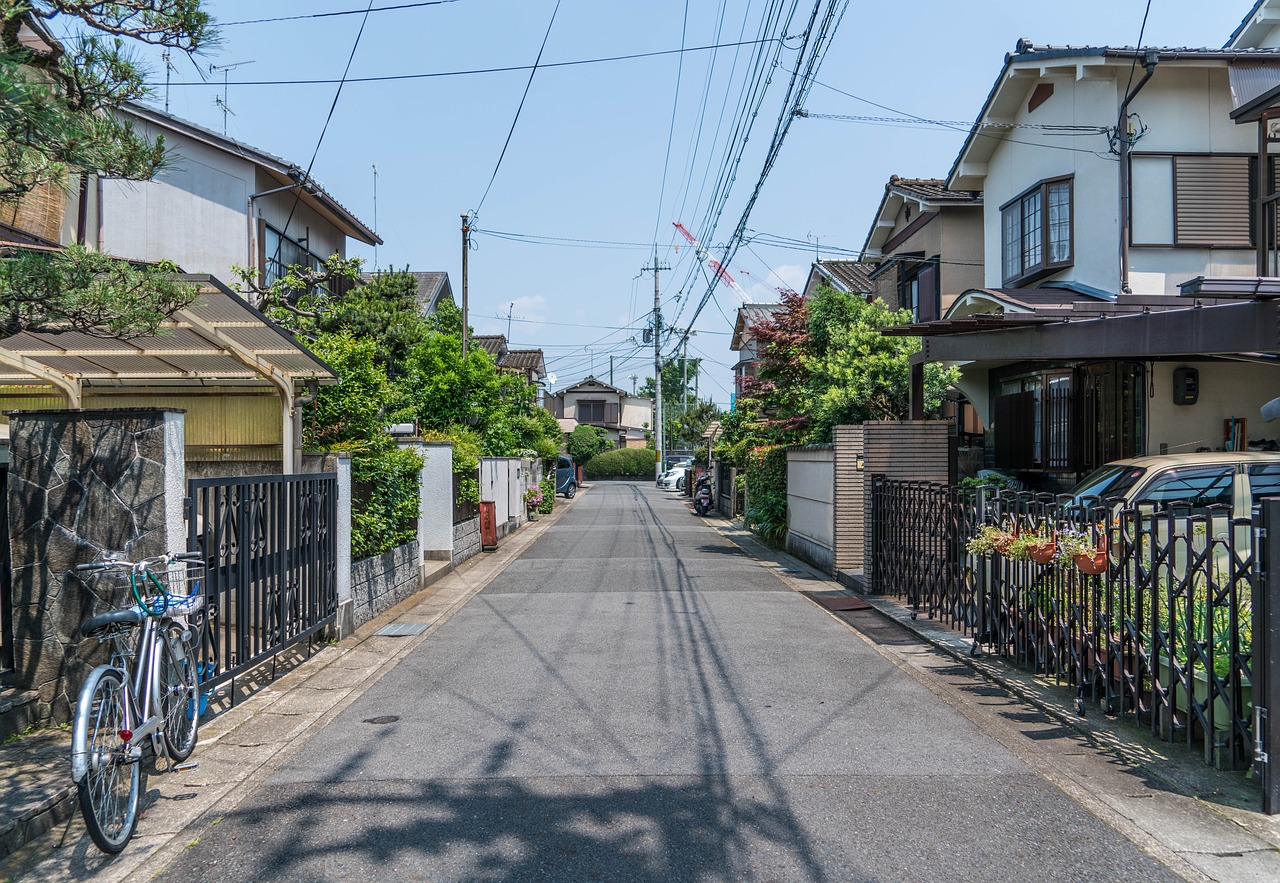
point(270, 550)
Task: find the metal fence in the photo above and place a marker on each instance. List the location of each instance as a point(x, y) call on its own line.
point(270, 550)
point(6, 580)
point(1162, 634)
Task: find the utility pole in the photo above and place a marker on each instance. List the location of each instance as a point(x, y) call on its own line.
point(657, 362)
point(511, 306)
point(466, 246)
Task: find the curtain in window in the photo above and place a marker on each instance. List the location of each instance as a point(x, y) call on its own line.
point(1059, 222)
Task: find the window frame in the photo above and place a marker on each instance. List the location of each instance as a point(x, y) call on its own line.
point(601, 403)
point(1173, 157)
point(1043, 267)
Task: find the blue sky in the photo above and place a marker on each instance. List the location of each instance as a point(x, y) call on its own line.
point(605, 156)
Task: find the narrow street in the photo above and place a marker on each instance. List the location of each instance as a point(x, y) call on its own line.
point(635, 698)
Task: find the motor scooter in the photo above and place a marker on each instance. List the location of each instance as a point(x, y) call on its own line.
point(702, 497)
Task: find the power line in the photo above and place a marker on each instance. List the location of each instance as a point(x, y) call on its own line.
point(538, 239)
point(261, 21)
point(490, 70)
point(519, 108)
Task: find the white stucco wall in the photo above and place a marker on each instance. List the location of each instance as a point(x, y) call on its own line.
point(1184, 109)
point(435, 499)
point(1227, 389)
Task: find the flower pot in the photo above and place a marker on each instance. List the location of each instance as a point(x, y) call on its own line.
point(1042, 553)
point(1091, 564)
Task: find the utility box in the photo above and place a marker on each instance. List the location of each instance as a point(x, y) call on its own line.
point(1186, 386)
point(488, 526)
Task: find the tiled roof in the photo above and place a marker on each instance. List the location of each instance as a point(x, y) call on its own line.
point(523, 359)
point(493, 344)
point(932, 190)
point(852, 274)
point(433, 287)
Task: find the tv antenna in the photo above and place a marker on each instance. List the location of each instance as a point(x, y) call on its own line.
point(168, 70)
point(222, 102)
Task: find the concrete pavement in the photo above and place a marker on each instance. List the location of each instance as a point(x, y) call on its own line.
point(630, 696)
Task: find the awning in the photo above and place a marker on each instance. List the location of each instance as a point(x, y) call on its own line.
point(218, 338)
point(1219, 330)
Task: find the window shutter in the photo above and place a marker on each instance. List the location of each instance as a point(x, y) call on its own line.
point(928, 293)
point(612, 413)
point(1212, 199)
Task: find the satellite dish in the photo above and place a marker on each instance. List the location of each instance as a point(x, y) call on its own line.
point(1271, 410)
point(551, 379)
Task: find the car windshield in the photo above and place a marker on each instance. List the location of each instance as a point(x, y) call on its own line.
point(1107, 483)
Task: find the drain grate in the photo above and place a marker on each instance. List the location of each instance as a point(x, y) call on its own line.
point(402, 630)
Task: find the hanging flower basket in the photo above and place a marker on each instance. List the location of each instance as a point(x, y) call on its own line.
point(1091, 565)
point(1043, 552)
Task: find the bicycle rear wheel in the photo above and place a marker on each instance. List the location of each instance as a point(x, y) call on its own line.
point(179, 687)
point(109, 789)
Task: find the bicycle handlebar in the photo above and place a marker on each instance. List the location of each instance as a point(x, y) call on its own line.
point(145, 563)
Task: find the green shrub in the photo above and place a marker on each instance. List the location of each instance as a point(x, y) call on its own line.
point(385, 510)
point(765, 477)
point(623, 463)
point(548, 494)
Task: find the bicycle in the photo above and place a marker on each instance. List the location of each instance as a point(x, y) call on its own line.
point(149, 691)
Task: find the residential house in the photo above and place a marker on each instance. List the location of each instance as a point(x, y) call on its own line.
point(852, 277)
point(625, 417)
point(239, 377)
point(433, 288)
point(531, 363)
point(744, 341)
point(1077, 349)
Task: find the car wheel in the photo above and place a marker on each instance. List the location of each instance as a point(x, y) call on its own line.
point(679, 484)
point(570, 491)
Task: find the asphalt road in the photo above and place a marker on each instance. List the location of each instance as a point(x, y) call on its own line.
point(636, 699)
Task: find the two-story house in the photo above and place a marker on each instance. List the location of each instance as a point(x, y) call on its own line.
point(241, 380)
point(851, 277)
point(1110, 177)
point(529, 363)
point(625, 417)
point(744, 341)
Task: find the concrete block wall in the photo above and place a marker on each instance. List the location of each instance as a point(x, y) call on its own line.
point(383, 581)
point(466, 540)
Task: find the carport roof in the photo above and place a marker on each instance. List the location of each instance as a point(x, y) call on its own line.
point(218, 338)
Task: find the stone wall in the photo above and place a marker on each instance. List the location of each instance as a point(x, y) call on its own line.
point(466, 540)
point(83, 483)
point(383, 581)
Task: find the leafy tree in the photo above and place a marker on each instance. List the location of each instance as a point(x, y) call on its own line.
point(587, 441)
point(57, 115)
point(57, 119)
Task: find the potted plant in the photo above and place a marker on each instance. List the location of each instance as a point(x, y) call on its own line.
point(1079, 547)
point(1038, 545)
point(989, 539)
point(532, 500)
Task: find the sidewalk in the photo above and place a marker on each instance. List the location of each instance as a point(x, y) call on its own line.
point(1202, 823)
point(238, 746)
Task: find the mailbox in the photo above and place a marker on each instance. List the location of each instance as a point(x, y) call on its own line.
point(488, 526)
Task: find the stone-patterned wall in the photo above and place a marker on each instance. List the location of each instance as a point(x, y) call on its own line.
point(383, 581)
point(82, 483)
point(466, 540)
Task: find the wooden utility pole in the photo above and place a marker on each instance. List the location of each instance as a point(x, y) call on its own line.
point(657, 363)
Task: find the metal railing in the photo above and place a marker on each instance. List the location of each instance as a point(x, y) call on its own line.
point(1162, 635)
point(270, 550)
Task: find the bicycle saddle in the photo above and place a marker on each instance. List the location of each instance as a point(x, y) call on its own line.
point(128, 616)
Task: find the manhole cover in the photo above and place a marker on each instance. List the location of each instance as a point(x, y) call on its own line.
point(382, 719)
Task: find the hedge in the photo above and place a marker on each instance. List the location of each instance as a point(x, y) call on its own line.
point(622, 463)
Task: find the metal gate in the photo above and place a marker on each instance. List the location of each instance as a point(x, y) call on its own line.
point(270, 550)
point(6, 581)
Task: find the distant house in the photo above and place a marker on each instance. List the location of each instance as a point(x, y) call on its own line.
point(433, 289)
point(625, 417)
point(851, 277)
point(529, 362)
point(744, 343)
point(1077, 348)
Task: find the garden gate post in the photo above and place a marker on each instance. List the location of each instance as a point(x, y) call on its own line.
point(1266, 658)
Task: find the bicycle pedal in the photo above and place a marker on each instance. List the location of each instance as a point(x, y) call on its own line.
point(185, 766)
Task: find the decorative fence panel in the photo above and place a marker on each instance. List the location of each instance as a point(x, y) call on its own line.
point(1156, 624)
point(270, 550)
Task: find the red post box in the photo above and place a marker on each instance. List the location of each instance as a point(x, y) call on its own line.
point(488, 526)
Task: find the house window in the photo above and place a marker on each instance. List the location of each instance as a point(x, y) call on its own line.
point(1036, 232)
point(590, 411)
point(1193, 200)
point(280, 253)
point(919, 291)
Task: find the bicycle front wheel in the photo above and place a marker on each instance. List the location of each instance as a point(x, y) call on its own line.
point(179, 688)
point(108, 790)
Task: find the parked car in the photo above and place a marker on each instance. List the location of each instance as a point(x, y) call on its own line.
point(566, 478)
point(672, 480)
point(1166, 481)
